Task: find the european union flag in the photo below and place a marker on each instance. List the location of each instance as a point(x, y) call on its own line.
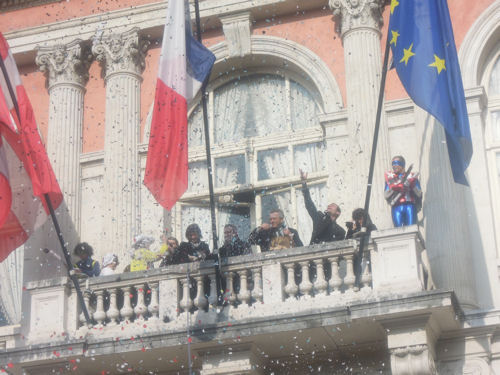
point(425, 57)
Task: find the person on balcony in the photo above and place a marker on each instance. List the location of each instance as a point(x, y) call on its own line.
point(86, 265)
point(142, 257)
point(109, 263)
point(325, 227)
point(403, 193)
point(194, 249)
point(275, 235)
point(233, 245)
point(167, 250)
point(355, 227)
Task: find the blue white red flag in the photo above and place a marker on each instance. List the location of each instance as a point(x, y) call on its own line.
point(185, 64)
point(425, 57)
point(25, 171)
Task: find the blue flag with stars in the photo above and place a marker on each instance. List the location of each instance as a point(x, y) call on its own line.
point(425, 57)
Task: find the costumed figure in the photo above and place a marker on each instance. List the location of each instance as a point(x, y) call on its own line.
point(142, 256)
point(109, 263)
point(403, 193)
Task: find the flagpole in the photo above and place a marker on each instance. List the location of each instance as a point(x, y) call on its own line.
point(71, 273)
point(209, 162)
point(378, 116)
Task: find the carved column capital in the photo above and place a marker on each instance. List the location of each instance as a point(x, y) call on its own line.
point(121, 53)
point(353, 14)
point(64, 63)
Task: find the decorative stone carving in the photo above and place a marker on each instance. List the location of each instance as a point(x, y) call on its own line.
point(413, 359)
point(237, 30)
point(351, 14)
point(119, 53)
point(471, 366)
point(64, 63)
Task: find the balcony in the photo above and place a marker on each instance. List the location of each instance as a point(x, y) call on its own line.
point(285, 309)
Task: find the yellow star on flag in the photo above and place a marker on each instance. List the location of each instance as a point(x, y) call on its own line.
point(438, 63)
point(407, 53)
point(395, 36)
point(394, 4)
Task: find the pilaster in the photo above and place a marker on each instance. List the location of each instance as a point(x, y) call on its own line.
point(66, 68)
point(122, 59)
point(359, 22)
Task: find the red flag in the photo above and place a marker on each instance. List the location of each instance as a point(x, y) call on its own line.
point(184, 65)
point(25, 171)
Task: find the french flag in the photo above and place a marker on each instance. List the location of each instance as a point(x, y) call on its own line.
point(185, 64)
point(26, 175)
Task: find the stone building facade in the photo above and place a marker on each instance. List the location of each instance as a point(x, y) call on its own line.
point(295, 85)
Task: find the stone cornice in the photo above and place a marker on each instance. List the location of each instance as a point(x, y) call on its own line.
point(149, 18)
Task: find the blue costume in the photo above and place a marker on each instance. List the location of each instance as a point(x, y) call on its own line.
point(89, 267)
point(404, 196)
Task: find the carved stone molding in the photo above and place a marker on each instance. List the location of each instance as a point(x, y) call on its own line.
point(469, 366)
point(65, 63)
point(412, 359)
point(121, 53)
point(353, 14)
point(237, 30)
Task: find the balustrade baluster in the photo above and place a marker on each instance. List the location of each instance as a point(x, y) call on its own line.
point(113, 313)
point(349, 278)
point(100, 314)
point(140, 307)
point(86, 299)
point(127, 311)
point(200, 301)
point(305, 286)
point(291, 288)
point(366, 276)
point(335, 280)
point(212, 299)
point(186, 303)
point(320, 285)
point(257, 293)
point(244, 294)
point(230, 295)
point(154, 306)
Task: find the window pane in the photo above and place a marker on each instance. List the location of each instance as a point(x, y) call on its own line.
point(230, 171)
point(196, 133)
point(273, 163)
point(498, 165)
point(309, 157)
point(201, 216)
point(494, 84)
point(197, 176)
point(274, 201)
point(302, 107)
point(319, 198)
point(495, 125)
point(250, 106)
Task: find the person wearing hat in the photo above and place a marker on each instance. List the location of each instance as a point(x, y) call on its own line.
point(142, 256)
point(109, 263)
point(194, 249)
point(86, 264)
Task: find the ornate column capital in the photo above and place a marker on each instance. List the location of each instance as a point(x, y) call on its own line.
point(353, 14)
point(64, 63)
point(121, 53)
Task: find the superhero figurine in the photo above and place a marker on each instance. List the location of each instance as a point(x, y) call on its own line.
point(403, 193)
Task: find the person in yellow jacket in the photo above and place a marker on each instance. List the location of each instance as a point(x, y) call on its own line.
point(142, 256)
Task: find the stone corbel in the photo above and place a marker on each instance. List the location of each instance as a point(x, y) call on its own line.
point(237, 31)
point(413, 359)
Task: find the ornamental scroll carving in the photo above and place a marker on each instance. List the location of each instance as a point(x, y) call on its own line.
point(121, 53)
point(352, 14)
point(65, 63)
point(414, 359)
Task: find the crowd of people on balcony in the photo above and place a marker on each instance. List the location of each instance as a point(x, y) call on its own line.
point(402, 192)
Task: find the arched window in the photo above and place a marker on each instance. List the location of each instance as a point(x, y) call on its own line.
point(263, 128)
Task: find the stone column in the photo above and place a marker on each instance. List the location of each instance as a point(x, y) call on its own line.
point(122, 59)
point(359, 23)
point(66, 68)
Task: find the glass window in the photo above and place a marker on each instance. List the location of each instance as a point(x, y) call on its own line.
point(494, 82)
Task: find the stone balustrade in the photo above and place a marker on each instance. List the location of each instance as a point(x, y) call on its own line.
point(253, 287)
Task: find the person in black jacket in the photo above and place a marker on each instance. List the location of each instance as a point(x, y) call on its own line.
point(193, 250)
point(325, 227)
point(354, 228)
point(275, 235)
point(233, 245)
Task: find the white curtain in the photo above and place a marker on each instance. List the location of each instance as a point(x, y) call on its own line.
point(11, 285)
point(273, 163)
point(197, 176)
point(309, 157)
point(302, 108)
